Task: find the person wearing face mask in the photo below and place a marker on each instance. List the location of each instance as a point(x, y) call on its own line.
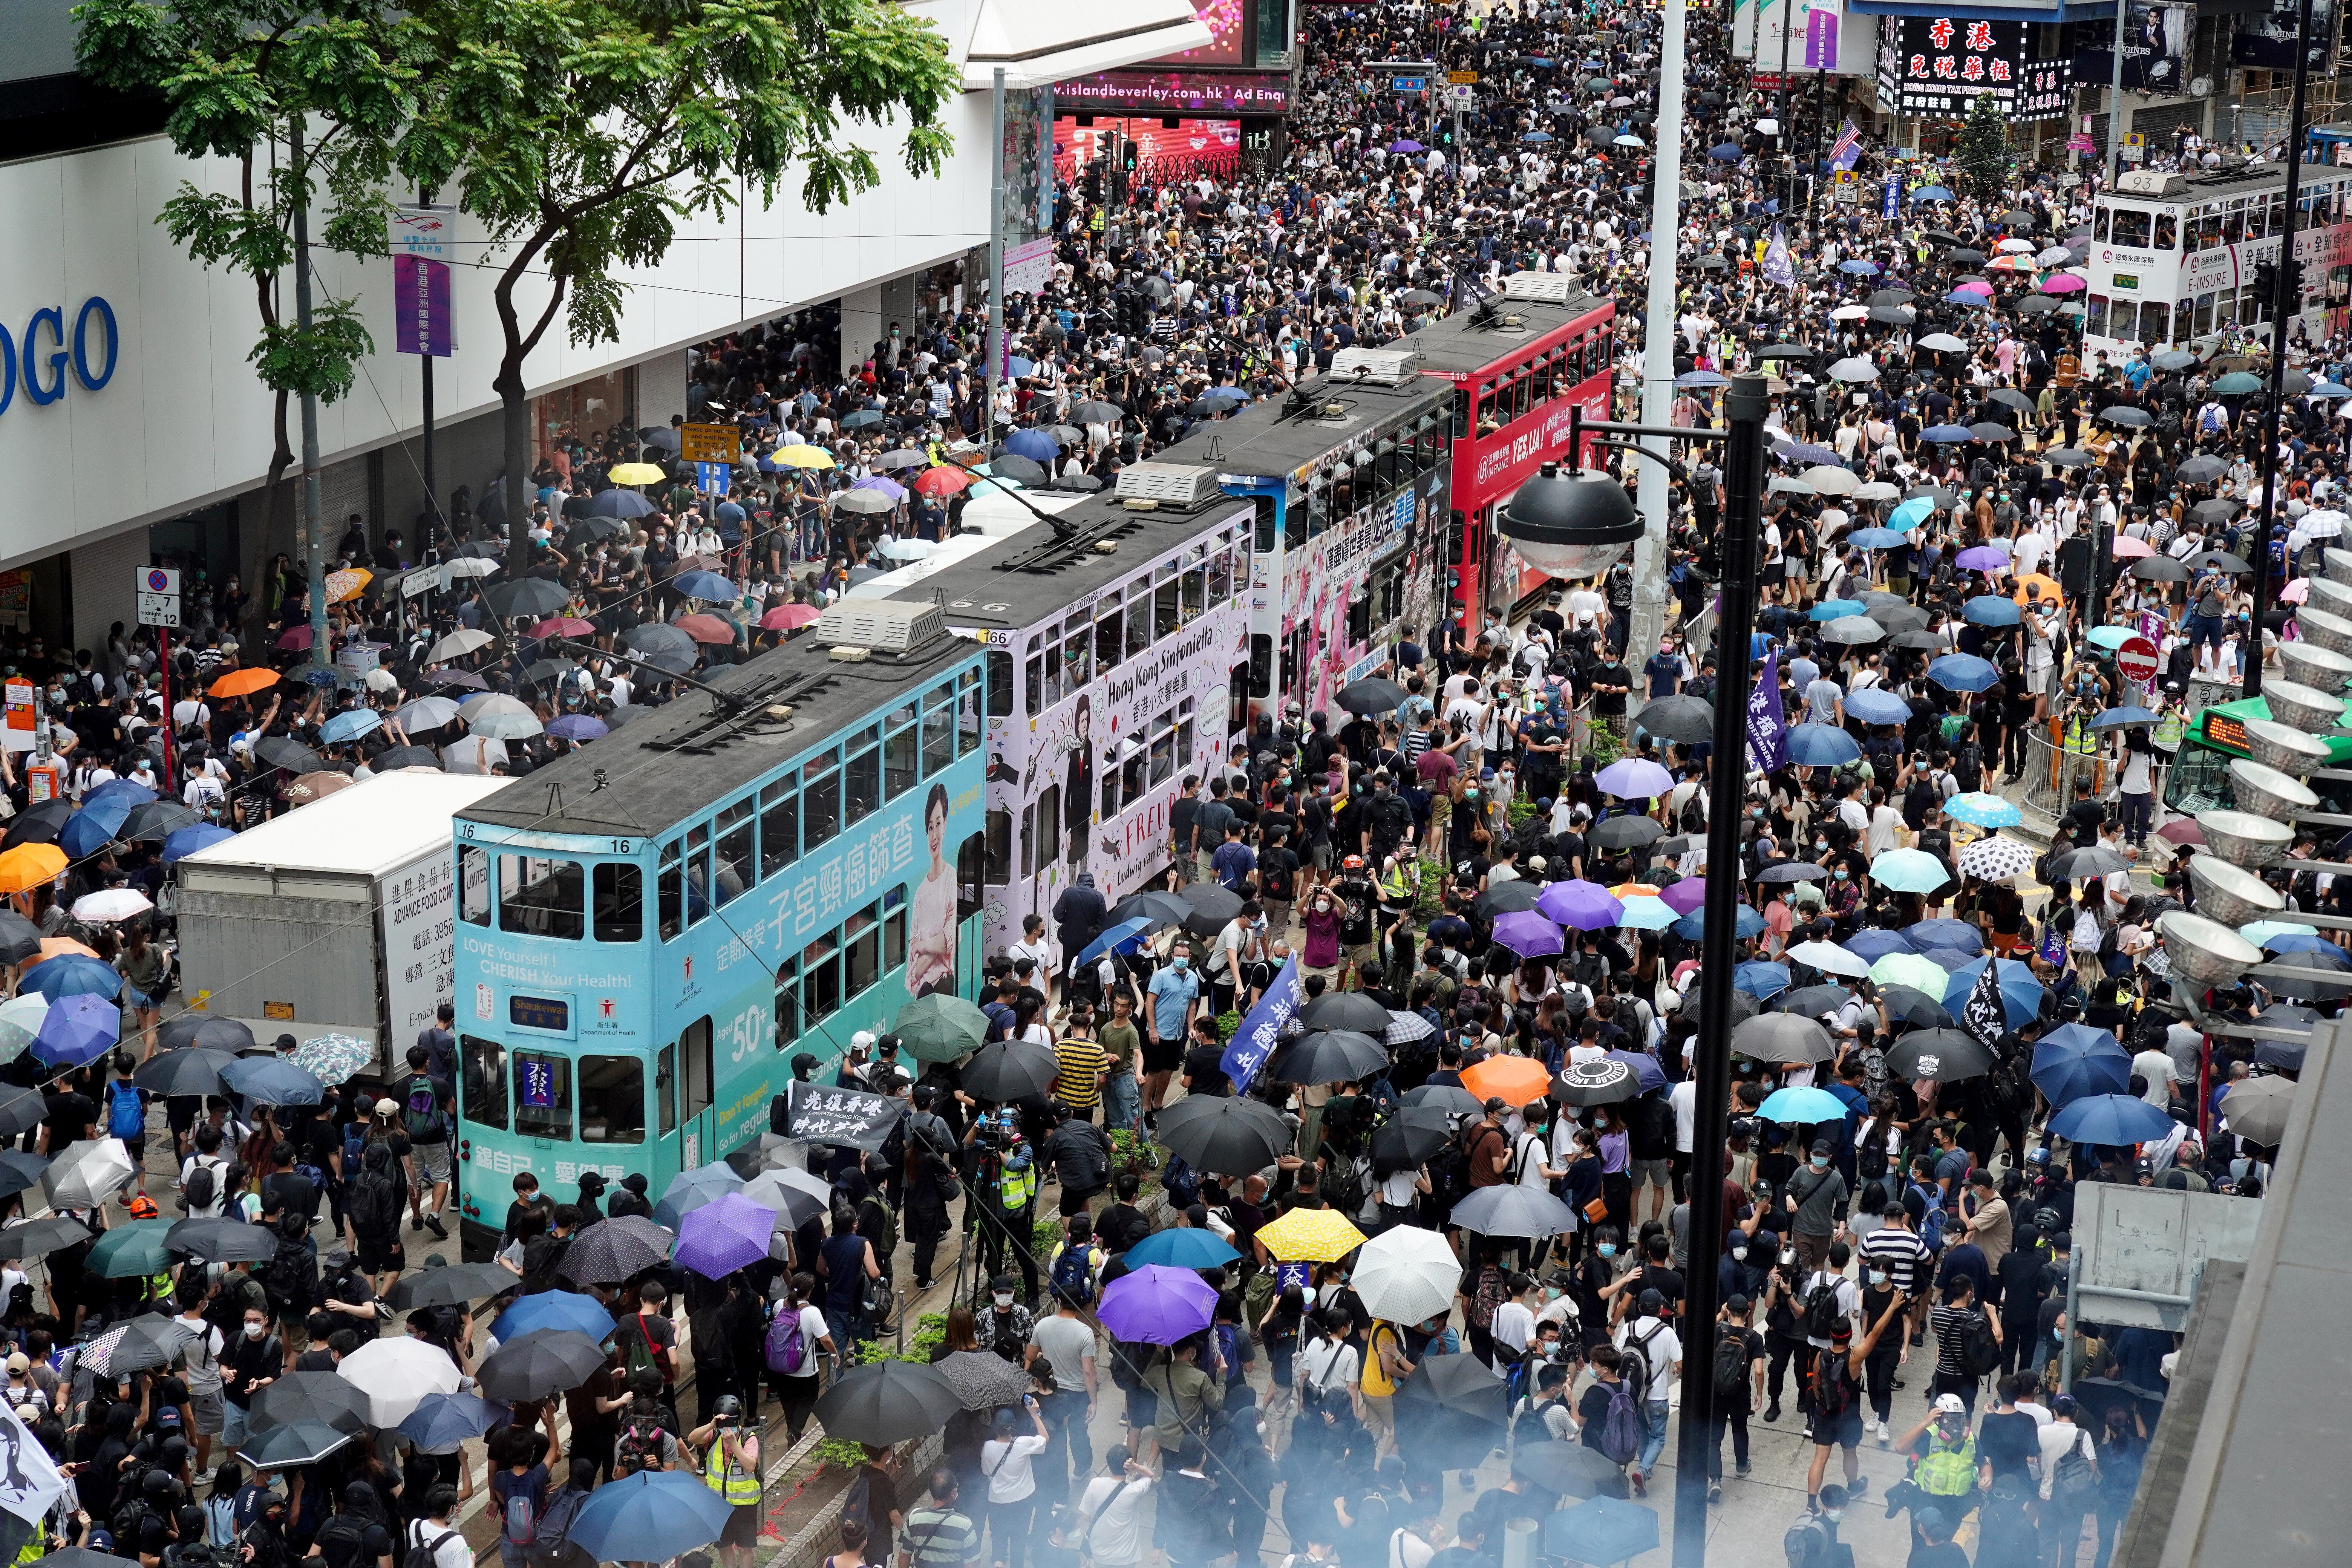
point(1816, 1198)
point(251, 1363)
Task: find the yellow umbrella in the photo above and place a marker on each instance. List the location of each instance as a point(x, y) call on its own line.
point(29, 866)
point(802, 457)
point(347, 583)
point(636, 473)
point(1311, 1236)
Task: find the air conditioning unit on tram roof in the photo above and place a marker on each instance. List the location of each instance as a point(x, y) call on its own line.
point(1174, 487)
point(1547, 288)
point(860, 628)
point(2151, 183)
point(1381, 367)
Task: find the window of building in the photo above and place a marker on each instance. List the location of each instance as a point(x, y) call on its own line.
point(542, 1095)
point(1077, 655)
point(619, 890)
point(1138, 617)
point(484, 1095)
point(612, 1100)
point(540, 897)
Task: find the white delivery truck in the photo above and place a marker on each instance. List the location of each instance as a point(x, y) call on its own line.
point(336, 917)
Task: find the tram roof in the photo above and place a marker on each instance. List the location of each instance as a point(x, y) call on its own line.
point(1259, 440)
point(649, 789)
point(2243, 182)
point(1459, 344)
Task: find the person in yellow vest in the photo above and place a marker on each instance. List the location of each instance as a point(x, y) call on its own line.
point(1945, 1465)
point(1385, 1367)
point(731, 1466)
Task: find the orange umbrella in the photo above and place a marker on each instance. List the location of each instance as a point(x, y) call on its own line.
point(1518, 1079)
point(1634, 889)
point(243, 683)
point(2051, 592)
point(29, 866)
point(51, 946)
point(705, 628)
point(348, 583)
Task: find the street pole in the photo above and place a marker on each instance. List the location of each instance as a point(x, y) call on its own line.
point(314, 504)
point(433, 521)
point(2115, 97)
point(995, 257)
point(1647, 627)
point(2286, 296)
point(1743, 469)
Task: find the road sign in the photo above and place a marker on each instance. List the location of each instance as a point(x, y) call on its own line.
point(1464, 96)
point(1407, 83)
point(159, 609)
point(707, 442)
point(159, 580)
point(2136, 659)
point(2134, 147)
point(1462, 79)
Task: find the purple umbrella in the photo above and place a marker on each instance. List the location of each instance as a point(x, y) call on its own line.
point(724, 1235)
point(1157, 1305)
point(1634, 778)
point(1981, 558)
point(1684, 896)
point(1646, 1068)
point(576, 727)
point(890, 488)
point(78, 1030)
point(1582, 906)
point(1528, 933)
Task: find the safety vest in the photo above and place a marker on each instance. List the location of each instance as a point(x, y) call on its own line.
point(730, 1480)
point(1015, 1188)
point(1948, 1470)
point(2169, 730)
point(1392, 882)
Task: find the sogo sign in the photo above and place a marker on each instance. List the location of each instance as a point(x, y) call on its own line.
point(61, 346)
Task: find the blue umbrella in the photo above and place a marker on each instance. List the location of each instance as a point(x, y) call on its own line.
point(1912, 513)
point(619, 503)
point(1992, 610)
point(1016, 365)
point(1876, 705)
point(1119, 938)
point(1837, 609)
point(1875, 944)
point(78, 1030)
point(1947, 434)
point(71, 975)
point(706, 585)
point(2113, 1121)
point(1693, 926)
point(555, 1309)
point(267, 1080)
point(2074, 1061)
point(577, 727)
point(183, 842)
point(1182, 1249)
point(2021, 994)
point(649, 1517)
point(350, 725)
point(1821, 746)
point(1859, 269)
point(689, 1189)
point(1925, 934)
point(1968, 297)
point(129, 790)
point(93, 827)
point(1963, 672)
point(1701, 380)
point(1601, 1529)
point(1536, 136)
point(1762, 981)
point(2113, 719)
point(1645, 1068)
point(1725, 153)
point(1982, 810)
point(882, 486)
point(1878, 539)
point(445, 1420)
point(1034, 444)
point(1931, 194)
point(1801, 1107)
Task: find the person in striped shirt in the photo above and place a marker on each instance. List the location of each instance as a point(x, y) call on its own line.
point(1896, 1248)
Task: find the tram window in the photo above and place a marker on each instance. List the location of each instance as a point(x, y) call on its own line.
point(619, 891)
point(474, 885)
point(902, 763)
point(1138, 618)
point(2167, 231)
point(669, 891)
point(1033, 699)
point(2204, 228)
point(820, 803)
point(735, 868)
point(2233, 224)
point(1196, 592)
point(1522, 392)
point(2095, 315)
point(1294, 651)
point(2252, 307)
point(2131, 228)
point(861, 937)
point(996, 857)
point(1185, 729)
point(698, 874)
point(1261, 665)
point(894, 929)
point(1359, 617)
point(1164, 617)
point(820, 980)
point(540, 896)
point(612, 1100)
point(1000, 684)
point(861, 788)
point(1077, 656)
point(1265, 513)
point(484, 1102)
point(1128, 778)
point(939, 730)
point(542, 1095)
point(1461, 414)
point(1164, 749)
point(968, 721)
point(1220, 577)
point(1048, 837)
point(780, 828)
point(1110, 632)
point(1049, 666)
point(694, 1045)
point(1486, 408)
point(1596, 354)
point(2204, 316)
point(666, 1071)
point(2099, 220)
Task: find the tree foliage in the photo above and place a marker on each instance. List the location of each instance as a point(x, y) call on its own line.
point(1982, 149)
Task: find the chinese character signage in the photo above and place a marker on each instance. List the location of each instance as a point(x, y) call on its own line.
point(1937, 67)
point(845, 1116)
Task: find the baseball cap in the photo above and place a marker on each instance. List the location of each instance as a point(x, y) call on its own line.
point(18, 1362)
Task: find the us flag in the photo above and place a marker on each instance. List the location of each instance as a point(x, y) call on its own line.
point(1847, 152)
point(1983, 1016)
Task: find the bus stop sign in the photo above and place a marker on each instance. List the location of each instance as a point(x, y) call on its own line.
point(2136, 659)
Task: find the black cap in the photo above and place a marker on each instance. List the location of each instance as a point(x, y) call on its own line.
point(1824, 1146)
point(1650, 1303)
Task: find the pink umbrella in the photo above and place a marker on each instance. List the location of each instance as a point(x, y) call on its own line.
point(2062, 283)
point(2127, 548)
point(2294, 593)
point(294, 636)
point(1972, 287)
point(784, 617)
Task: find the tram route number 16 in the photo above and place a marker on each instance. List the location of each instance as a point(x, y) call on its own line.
point(747, 1033)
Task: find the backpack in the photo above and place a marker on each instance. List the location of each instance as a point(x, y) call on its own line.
point(1178, 1180)
point(519, 1520)
point(424, 1553)
point(338, 1541)
point(1621, 1426)
point(292, 1276)
point(1074, 1274)
point(1823, 1313)
point(1806, 1542)
point(201, 1196)
point(639, 1448)
point(422, 1115)
point(1931, 1223)
point(1832, 1389)
point(375, 1204)
point(552, 1544)
point(126, 1113)
point(1979, 1352)
point(644, 1355)
point(1635, 1371)
point(1493, 1289)
point(785, 1350)
point(131, 1513)
point(1731, 1361)
point(2073, 1485)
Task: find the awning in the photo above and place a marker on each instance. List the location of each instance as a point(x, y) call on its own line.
point(1040, 42)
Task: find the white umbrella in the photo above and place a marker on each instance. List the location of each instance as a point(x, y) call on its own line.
point(470, 566)
point(2055, 256)
point(1851, 313)
point(111, 904)
point(1943, 342)
point(2015, 247)
point(1407, 1274)
point(905, 549)
point(1829, 958)
point(2324, 524)
point(456, 645)
point(20, 1020)
point(88, 1173)
point(426, 713)
point(1853, 370)
point(1996, 859)
point(507, 726)
point(396, 1376)
point(1828, 479)
point(1877, 489)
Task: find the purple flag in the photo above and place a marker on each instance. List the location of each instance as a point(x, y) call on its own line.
point(1768, 727)
point(422, 322)
point(1822, 37)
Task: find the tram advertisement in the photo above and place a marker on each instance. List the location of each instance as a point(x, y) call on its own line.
point(1321, 581)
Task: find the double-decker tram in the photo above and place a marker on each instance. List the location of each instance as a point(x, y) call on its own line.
point(2179, 260)
point(649, 928)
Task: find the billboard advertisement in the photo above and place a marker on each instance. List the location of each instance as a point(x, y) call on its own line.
point(2266, 39)
point(1228, 42)
point(1822, 37)
point(1175, 92)
point(1937, 67)
point(2157, 40)
point(1159, 146)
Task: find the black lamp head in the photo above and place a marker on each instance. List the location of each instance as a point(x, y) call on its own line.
point(1570, 525)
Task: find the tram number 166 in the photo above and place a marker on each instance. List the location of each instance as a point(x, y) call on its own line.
point(746, 1034)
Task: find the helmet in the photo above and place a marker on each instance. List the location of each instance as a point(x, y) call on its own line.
point(141, 1206)
point(728, 1407)
point(1352, 863)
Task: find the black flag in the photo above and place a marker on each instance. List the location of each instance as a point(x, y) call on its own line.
point(1984, 1016)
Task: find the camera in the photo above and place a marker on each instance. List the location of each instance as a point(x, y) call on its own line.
point(995, 1129)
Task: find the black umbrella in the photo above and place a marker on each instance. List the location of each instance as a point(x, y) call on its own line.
point(19, 1170)
point(83, 1557)
point(2220, 510)
point(21, 1110)
point(2301, 990)
point(1223, 1136)
point(1965, 257)
point(533, 596)
point(888, 1401)
point(303, 1442)
point(1007, 1070)
point(540, 1362)
point(1811, 1001)
point(1165, 908)
point(1015, 466)
point(2097, 1395)
point(2218, 560)
point(1892, 297)
point(1628, 832)
point(185, 1072)
point(1506, 898)
point(614, 1249)
point(149, 1340)
point(284, 752)
point(982, 1379)
point(1794, 870)
point(319, 1396)
point(1371, 695)
point(223, 1037)
point(2010, 397)
point(1906, 1005)
point(1688, 720)
point(19, 938)
point(222, 1240)
point(1514, 1209)
point(405, 757)
point(1889, 313)
point(1782, 1038)
point(39, 824)
point(1941, 1055)
point(1450, 1097)
point(663, 646)
point(1986, 430)
point(1212, 905)
point(1454, 1407)
point(2096, 861)
point(462, 1282)
point(1785, 351)
point(1569, 1470)
point(1345, 1010)
point(1415, 1133)
point(1604, 1082)
point(2126, 415)
point(37, 1237)
point(1324, 1056)
point(2039, 305)
point(1098, 413)
point(2160, 569)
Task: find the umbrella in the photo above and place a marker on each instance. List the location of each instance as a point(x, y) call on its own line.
point(459, 1283)
point(1528, 933)
point(940, 1028)
point(1912, 969)
point(1513, 897)
point(1944, 1056)
point(1925, 934)
point(1876, 705)
point(1995, 859)
point(983, 1380)
point(39, 823)
point(1801, 1107)
point(731, 1232)
point(399, 757)
point(1157, 1305)
point(187, 841)
point(2113, 1121)
point(543, 1362)
point(222, 1240)
point(1906, 1005)
point(78, 1030)
point(1821, 746)
point(2256, 1110)
point(303, 1443)
point(2094, 860)
point(1312, 1236)
point(19, 1170)
point(2021, 994)
point(1181, 1248)
point(653, 1516)
point(20, 939)
point(1327, 1056)
point(36, 1237)
point(796, 1195)
point(1760, 980)
point(1514, 1080)
point(1963, 672)
point(1449, 1404)
point(268, 1080)
point(1604, 1082)
point(1634, 778)
point(1450, 1098)
point(148, 1341)
point(709, 587)
point(1210, 907)
point(1119, 938)
point(1746, 923)
point(1404, 1028)
point(1007, 1070)
point(319, 1396)
point(1814, 1001)
point(689, 1189)
point(2075, 1060)
point(1579, 905)
point(1780, 1037)
point(1979, 809)
point(1606, 1530)
point(614, 1249)
point(397, 1374)
point(88, 1173)
point(1371, 695)
point(1225, 1136)
point(132, 1250)
point(1630, 832)
point(57, 979)
point(441, 1421)
point(1569, 1470)
point(1406, 1274)
point(1514, 1208)
point(1829, 958)
point(1909, 871)
point(1688, 720)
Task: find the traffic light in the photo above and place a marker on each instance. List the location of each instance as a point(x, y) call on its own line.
point(2266, 280)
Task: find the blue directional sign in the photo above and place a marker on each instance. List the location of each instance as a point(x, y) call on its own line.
point(1407, 83)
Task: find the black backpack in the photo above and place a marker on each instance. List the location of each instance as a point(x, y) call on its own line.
point(1979, 1352)
point(292, 1277)
point(340, 1542)
point(1823, 1313)
point(1967, 766)
point(1731, 1361)
point(423, 1553)
point(201, 1189)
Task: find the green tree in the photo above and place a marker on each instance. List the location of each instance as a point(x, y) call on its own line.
point(580, 132)
point(1982, 149)
point(240, 78)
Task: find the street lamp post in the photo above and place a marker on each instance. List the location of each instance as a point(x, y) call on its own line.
point(1574, 525)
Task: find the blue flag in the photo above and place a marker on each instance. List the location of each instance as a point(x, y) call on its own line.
point(1768, 726)
point(1255, 1040)
point(1776, 266)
